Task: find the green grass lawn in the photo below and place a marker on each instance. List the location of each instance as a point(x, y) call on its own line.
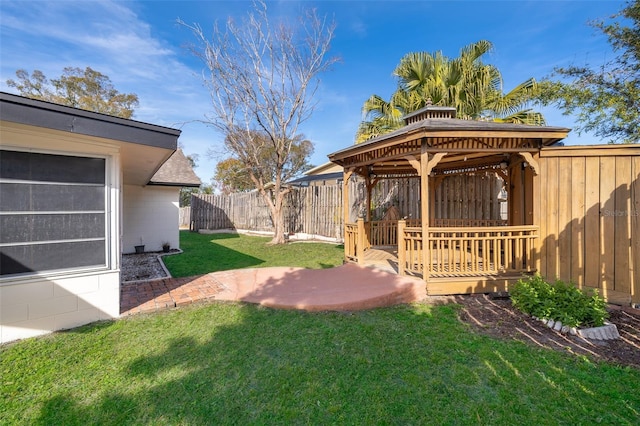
point(220, 252)
point(241, 364)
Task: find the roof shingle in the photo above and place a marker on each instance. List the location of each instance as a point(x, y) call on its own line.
point(176, 171)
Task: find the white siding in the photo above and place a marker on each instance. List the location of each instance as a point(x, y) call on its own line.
point(150, 214)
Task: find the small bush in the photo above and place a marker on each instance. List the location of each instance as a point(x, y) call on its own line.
point(559, 301)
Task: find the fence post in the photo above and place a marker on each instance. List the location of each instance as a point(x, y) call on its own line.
point(360, 241)
point(401, 247)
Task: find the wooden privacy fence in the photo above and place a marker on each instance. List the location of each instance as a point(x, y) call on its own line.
point(589, 217)
point(184, 217)
point(317, 210)
point(472, 196)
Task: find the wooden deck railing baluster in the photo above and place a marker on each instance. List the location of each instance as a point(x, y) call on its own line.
point(463, 252)
point(350, 241)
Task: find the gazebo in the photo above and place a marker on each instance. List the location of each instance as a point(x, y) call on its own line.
point(465, 253)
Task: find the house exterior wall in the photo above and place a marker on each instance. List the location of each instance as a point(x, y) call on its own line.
point(40, 306)
point(588, 210)
point(325, 168)
point(151, 214)
point(40, 302)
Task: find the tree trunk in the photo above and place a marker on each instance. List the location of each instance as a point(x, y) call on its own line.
point(278, 227)
point(277, 216)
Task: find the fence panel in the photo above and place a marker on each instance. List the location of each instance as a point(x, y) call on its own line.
point(315, 210)
point(184, 217)
point(318, 210)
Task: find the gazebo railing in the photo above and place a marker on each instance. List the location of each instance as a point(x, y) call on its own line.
point(447, 223)
point(410, 250)
point(481, 251)
point(385, 232)
point(460, 252)
point(351, 242)
point(453, 251)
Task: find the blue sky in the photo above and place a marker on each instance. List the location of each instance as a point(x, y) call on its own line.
point(139, 45)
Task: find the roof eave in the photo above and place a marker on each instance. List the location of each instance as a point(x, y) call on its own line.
point(32, 112)
point(176, 184)
point(549, 136)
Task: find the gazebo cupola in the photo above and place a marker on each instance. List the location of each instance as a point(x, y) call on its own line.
point(429, 112)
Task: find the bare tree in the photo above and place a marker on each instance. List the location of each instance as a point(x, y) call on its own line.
point(262, 75)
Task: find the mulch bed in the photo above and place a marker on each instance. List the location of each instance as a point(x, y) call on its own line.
point(498, 318)
point(140, 267)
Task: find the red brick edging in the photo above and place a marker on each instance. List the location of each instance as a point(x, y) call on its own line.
point(166, 293)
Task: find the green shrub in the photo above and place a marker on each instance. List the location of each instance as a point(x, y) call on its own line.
point(559, 301)
point(532, 296)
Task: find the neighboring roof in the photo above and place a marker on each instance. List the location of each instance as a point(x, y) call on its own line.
point(313, 178)
point(176, 171)
point(143, 147)
point(325, 168)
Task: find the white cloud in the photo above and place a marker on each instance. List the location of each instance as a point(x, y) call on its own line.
point(143, 56)
point(112, 39)
point(358, 27)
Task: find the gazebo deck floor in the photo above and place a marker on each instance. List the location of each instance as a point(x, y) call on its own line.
point(385, 258)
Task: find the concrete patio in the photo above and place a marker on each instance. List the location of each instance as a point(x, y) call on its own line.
point(345, 288)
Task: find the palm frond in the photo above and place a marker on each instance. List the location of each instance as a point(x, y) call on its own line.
point(527, 116)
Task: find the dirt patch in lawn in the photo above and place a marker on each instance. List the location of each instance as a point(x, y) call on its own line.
point(498, 318)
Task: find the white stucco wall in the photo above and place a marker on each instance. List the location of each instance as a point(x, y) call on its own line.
point(39, 304)
point(150, 213)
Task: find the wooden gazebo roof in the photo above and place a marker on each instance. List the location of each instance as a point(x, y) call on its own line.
point(469, 145)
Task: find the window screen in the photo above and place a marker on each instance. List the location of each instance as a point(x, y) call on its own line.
point(52, 212)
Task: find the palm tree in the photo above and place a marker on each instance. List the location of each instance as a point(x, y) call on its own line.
point(383, 116)
point(465, 82)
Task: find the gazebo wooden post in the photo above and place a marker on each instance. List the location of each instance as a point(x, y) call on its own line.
point(345, 194)
point(369, 186)
point(515, 196)
point(402, 255)
point(370, 182)
point(427, 164)
point(346, 175)
point(424, 209)
point(361, 241)
point(535, 211)
point(537, 215)
point(367, 217)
